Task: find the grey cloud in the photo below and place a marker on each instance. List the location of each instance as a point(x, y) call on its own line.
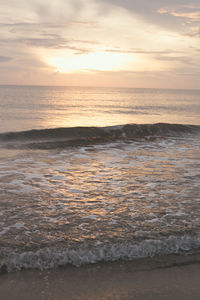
point(182, 59)
point(46, 35)
point(166, 55)
point(5, 58)
point(47, 25)
point(140, 51)
point(54, 43)
point(150, 10)
point(192, 71)
point(85, 42)
point(31, 62)
point(184, 11)
point(170, 58)
point(182, 72)
point(50, 41)
point(194, 31)
point(190, 14)
point(64, 11)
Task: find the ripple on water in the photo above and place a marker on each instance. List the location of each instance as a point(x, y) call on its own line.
point(112, 194)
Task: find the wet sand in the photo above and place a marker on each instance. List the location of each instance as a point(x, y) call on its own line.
point(169, 277)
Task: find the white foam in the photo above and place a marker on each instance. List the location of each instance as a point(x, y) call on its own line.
point(156, 220)
point(141, 233)
point(18, 225)
point(92, 217)
point(76, 191)
point(5, 230)
point(47, 258)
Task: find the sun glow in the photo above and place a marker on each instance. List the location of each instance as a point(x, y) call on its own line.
point(102, 61)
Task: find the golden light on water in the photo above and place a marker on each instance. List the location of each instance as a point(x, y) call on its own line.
point(102, 61)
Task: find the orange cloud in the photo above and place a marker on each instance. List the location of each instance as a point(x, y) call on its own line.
point(184, 11)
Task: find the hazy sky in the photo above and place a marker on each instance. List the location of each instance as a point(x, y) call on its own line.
point(130, 43)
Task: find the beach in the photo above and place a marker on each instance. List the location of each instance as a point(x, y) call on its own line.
point(167, 277)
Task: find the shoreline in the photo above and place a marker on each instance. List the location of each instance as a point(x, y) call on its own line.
point(161, 277)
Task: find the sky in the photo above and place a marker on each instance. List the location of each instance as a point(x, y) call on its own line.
point(119, 43)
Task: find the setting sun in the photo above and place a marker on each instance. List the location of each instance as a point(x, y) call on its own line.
point(102, 61)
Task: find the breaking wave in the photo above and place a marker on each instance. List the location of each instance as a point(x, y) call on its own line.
point(48, 258)
point(81, 136)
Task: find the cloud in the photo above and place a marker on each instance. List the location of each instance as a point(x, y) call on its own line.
point(184, 11)
point(141, 51)
point(40, 25)
point(33, 37)
point(53, 43)
point(153, 38)
point(177, 59)
point(190, 14)
point(148, 11)
point(194, 31)
point(177, 16)
point(5, 58)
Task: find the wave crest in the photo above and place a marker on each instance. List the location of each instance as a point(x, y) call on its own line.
point(79, 136)
point(48, 258)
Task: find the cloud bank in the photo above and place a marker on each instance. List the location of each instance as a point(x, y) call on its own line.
point(96, 42)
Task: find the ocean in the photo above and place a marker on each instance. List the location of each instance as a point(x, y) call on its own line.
point(93, 175)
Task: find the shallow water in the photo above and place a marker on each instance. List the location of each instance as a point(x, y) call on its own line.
point(131, 196)
point(101, 202)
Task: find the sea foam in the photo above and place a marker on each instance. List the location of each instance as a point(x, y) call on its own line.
point(51, 257)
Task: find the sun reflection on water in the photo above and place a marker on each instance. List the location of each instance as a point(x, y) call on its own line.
point(104, 193)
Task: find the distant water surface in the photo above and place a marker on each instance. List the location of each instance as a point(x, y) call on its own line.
point(25, 108)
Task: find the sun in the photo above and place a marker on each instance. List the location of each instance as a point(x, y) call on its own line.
point(98, 61)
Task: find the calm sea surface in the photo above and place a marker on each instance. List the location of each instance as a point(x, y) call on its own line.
point(24, 108)
point(122, 188)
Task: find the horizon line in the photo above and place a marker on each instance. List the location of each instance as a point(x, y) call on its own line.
point(112, 87)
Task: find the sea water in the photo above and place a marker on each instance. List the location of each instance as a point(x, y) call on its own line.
point(97, 174)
